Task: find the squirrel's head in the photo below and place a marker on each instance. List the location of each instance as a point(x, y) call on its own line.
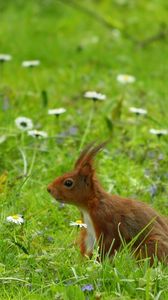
point(77, 187)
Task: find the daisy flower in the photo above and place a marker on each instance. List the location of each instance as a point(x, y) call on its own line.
point(24, 123)
point(56, 111)
point(138, 111)
point(78, 223)
point(17, 219)
point(5, 57)
point(94, 95)
point(125, 78)
point(37, 134)
point(158, 132)
point(30, 63)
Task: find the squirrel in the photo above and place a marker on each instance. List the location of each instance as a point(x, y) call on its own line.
point(110, 219)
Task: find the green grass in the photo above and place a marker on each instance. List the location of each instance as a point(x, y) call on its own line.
point(47, 264)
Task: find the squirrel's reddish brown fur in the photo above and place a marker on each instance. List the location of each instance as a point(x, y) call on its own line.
point(110, 219)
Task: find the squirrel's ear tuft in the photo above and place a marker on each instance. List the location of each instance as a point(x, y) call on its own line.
point(84, 154)
point(87, 155)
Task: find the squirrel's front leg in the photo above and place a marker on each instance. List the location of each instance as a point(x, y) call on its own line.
point(85, 250)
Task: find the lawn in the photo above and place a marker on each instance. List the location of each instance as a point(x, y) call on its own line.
point(82, 46)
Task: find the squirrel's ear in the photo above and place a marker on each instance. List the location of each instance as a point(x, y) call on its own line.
point(86, 169)
point(86, 173)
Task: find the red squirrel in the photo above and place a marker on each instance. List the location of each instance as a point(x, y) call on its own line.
point(110, 219)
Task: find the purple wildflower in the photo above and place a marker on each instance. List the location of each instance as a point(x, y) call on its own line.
point(87, 288)
point(153, 190)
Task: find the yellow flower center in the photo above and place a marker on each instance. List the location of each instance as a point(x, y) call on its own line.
point(15, 217)
point(79, 222)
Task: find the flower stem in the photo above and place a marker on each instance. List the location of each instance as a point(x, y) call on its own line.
point(24, 162)
point(87, 128)
point(33, 160)
point(1, 71)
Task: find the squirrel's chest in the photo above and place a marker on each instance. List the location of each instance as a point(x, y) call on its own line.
point(90, 238)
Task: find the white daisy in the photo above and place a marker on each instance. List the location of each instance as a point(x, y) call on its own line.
point(38, 134)
point(125, 78)
point(94, 95)
point(56, 111)
point(17, 219)
point(24, 123)
point(5, 57)
point(78, 223)
point(30, 63)
point(138, 111)
point(158, 132)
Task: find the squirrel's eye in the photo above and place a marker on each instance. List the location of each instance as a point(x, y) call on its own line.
point(68, 183)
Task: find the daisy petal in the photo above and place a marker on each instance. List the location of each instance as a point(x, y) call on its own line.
point(125, 78)
point(158, 132)
point(16, 219)
point(24, 123)
point(94, 95)
point(37, 134)
point(78, 223)
point(30, 63)
point(56, 111)
point(5, 57)
point(138, 111)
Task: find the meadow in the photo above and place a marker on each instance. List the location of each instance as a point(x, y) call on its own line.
point(81, 46)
